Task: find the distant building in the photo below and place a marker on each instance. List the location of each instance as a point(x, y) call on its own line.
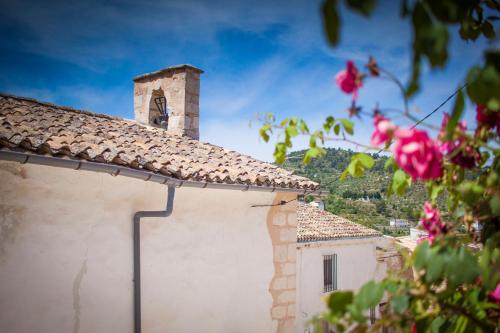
point(399, 223)
point(417, 233)
point(318, 203)
point(334, 253)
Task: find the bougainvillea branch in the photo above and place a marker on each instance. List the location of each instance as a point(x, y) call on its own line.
point(456, 267)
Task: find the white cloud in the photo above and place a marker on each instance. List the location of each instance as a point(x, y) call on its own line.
point(226, 95)
point(92, 33)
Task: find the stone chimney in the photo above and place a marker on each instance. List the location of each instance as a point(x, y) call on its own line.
point(180, 85)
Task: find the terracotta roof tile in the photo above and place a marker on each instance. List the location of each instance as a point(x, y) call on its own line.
point(46, 128)
point(314, 224)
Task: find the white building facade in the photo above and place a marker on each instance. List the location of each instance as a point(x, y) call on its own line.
point(216, 253)
point(333, 254)
point(399, 223)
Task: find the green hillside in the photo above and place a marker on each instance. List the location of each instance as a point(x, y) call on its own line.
point(362, 199)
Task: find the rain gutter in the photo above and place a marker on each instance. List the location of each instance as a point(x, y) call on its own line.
point(137, 251)
point(116, 170)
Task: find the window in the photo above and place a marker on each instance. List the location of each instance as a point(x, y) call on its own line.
point(330, 272)
point(158, 109)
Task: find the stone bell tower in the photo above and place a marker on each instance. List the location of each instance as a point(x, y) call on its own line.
point(180, 85)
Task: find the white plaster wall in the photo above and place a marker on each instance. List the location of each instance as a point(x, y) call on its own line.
point(356, 263)
point(66, 255)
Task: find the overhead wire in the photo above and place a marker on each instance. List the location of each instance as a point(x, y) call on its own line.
point(422, 119)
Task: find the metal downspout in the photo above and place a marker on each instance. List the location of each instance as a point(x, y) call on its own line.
point(137, 252)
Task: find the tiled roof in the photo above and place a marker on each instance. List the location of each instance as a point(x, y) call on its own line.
point(407, 242)
point(314, 224)
point(43, 128)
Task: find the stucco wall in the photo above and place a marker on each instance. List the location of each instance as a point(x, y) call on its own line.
point(356, 263)
point(66, 255)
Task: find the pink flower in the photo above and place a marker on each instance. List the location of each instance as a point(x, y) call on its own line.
point(349, 80)
point(422, 239)
point(431, 222)
point(487, 118)
point(418, 155)
point(461, 152)
point(494, 296)
point(384, 129)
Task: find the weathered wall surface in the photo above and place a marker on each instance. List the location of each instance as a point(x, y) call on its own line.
point(282, 224)
point(356, 262)
point(66, 256)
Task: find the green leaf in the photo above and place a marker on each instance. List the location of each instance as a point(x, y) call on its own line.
point(364, 7)
point(488, 30)
point(356, 167)
point(366, 160)
point(400, 303)
point(264, 132)
point(448, 11)
point(369, 295)
point(400, 182)
point(435, 267)
point(356, 313)
point(414, 85)
point(435, 191)
point(436, 324)
point(469, 29)
point(312, 140)
point(303, 127)
point(270, 117)
point(338, 301)
point(435, 45)
point(284, 122)
point(484, 83)
point(280, 153)
point(307, 158)
point(329, 121)
point(430, 36)
point(352, 167)
point(461, 324)
point(421, 255)
point(495, 205)
point(461, 267)
point(313, 153)
point(430, 41)
point(348, 125)
point(291, 131)
point(391, 286)
point(470, 192)
point(336, 129)
point(331, 21)
point(456, 114)
point(405, 8)
point(492, 179)
point(390, 163)
point(344, 175)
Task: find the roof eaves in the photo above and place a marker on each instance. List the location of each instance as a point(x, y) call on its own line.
point(116, 170)
point(317, 239)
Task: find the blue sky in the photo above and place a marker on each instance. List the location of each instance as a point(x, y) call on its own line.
point(258, 57)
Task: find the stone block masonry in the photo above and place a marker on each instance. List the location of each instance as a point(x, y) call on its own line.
point(180, 85)
point(282, 226)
